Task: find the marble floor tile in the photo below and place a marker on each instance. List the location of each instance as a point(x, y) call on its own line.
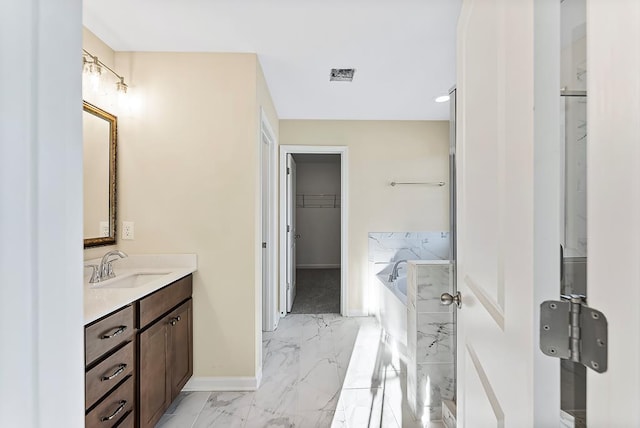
point(183, 420)
point(190, 403)
point(225, 409)
point(319, 371)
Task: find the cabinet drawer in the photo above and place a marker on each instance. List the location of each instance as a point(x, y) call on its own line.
point(129, 421)
point(160, 302)
point(113, 408)
point(108, 333)
point(109, 373)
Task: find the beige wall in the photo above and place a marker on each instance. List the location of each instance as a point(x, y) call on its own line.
point(188, 176)
point(381, 152)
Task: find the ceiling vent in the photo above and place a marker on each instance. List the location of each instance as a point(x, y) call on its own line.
point(341, 74)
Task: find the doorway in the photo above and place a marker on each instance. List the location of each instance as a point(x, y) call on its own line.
point(316, 233)
point(313, 229)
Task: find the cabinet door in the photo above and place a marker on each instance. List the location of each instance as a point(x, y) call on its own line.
point(155, 390)
point(181, 347)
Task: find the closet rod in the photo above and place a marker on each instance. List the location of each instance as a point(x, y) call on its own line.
point(426, 183)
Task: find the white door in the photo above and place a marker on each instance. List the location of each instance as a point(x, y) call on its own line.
point(613, 205)
point(495, 178)
point(497, 346)
point(291, 231)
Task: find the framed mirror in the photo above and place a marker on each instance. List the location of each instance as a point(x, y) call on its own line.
point(99, 137)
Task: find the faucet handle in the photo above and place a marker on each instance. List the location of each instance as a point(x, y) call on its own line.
point(95, 273)
point(107, 270)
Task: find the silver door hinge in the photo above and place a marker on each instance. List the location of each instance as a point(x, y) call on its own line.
point(288, 170)
point(288, 286)
point(571, 330)
point(264, 245)
point(288, 228)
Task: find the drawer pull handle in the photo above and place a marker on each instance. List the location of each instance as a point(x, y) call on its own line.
point(115, 374)
point(118, 331)
point(175, 320)
point(113, 415)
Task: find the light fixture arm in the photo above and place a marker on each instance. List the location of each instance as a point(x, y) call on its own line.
point(121, 84)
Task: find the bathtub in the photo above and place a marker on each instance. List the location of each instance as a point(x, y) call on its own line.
point(392, 310)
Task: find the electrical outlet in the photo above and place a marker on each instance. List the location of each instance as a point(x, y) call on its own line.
point(127, 230)
point(104, 229)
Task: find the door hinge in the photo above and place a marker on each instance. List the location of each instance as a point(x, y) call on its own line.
point(288, 171)
point(288, 286)
point(264, 245)
point(571, 330)
point(288, 228)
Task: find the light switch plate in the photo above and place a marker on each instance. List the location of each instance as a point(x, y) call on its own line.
point(127, 230)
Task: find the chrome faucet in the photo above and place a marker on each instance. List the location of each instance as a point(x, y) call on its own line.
point(394, 272)
point(104, 270)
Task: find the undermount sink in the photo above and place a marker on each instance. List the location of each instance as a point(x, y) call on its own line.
point(130, 280)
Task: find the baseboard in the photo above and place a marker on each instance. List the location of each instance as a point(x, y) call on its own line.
point(239, 383)
point(319, 266)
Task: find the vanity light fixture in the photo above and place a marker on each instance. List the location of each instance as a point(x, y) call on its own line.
point(94, 67)
point(442, 99)
point(121, 86)
point(91, 64)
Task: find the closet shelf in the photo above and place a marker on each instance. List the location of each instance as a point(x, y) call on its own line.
point(307, 200)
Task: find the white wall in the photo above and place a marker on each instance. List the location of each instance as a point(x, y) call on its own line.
point(319, 227)
point(41, 310)
point(381, 152)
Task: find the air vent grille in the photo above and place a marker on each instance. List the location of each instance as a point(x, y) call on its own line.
point(341, 74)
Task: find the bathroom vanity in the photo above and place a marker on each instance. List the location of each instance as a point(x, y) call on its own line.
point(138, 343)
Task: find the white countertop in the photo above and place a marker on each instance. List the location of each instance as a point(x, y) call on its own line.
point(100, 300)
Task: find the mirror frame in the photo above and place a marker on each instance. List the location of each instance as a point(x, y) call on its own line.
point(113, 126)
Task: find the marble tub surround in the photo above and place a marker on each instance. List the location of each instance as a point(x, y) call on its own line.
point(388, 302)
point(391, 246)
point(430, 339)
point(319, 371)
point(100, 299)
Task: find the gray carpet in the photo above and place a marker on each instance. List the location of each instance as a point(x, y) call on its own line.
point(317, 291)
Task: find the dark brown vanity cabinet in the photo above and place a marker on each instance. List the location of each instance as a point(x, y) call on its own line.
point(139, 358)
point(165, 349)
point(110, 369)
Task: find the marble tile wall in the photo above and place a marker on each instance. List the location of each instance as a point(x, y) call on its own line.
point(430, 339)
point(388, 247)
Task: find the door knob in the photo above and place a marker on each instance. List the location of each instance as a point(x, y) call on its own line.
point(448, 299)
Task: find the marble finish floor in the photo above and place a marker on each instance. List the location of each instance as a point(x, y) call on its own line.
point(320, 370)
point(317, 291)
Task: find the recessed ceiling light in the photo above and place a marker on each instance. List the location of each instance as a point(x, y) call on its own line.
point(341, 74)
point(442, 99)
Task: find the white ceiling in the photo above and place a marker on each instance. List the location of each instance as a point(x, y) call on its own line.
point(403, 50)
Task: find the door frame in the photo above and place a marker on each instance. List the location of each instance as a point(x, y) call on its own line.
point(270, 316)
point(344, 219)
